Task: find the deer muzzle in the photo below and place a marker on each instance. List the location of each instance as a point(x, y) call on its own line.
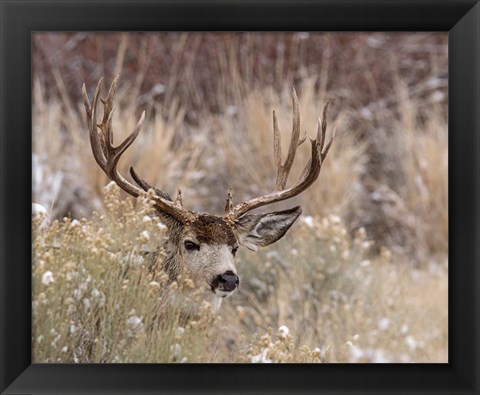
point(224, 284)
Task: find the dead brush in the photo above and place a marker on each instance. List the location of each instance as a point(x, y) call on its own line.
point(94, 299)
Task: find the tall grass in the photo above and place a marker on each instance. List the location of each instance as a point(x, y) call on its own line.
point(314, 297)
point(362, 277)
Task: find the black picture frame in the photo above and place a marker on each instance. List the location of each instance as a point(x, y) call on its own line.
point(19, 18)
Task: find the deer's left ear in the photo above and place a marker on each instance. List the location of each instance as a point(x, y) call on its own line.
point(260, 230)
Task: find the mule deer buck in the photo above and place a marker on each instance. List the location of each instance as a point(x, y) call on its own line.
point(203, 246)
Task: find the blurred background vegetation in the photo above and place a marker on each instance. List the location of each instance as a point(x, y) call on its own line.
point(209, 99)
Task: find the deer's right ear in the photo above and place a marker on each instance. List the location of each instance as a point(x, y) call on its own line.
point(260, 230)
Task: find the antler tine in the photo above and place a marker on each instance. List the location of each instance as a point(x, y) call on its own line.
point(283, 170)
point(107, 155)
point(146, 186)
point(91, 110)
point(322, 132)
point(116, 152)
point(277, 145)
point(229, 201)
point(310, 172)
point(108, 111)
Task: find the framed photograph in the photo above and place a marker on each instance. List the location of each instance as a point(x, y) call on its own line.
point(261, 197)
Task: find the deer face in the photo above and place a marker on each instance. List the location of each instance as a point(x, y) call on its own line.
point(205, 248)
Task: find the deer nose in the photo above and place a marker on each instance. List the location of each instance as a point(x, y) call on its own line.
point(228, 281)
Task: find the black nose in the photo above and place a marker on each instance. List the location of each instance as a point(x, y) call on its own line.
point(228, 281)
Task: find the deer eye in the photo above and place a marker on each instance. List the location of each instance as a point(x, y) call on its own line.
point(190, 246)
point(234, 250)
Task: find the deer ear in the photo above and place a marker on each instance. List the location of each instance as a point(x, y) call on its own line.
point(260, 230)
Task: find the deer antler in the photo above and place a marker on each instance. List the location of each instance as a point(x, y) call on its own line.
point(310, 173)
point(107, 155)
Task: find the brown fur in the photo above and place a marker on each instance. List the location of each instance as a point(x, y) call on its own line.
point(208, 229)
point(211, 229)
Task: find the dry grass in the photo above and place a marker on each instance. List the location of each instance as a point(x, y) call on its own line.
point(95, 301)
point(361, 278)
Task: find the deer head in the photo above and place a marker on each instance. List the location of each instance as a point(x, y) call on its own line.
point(203, 246)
